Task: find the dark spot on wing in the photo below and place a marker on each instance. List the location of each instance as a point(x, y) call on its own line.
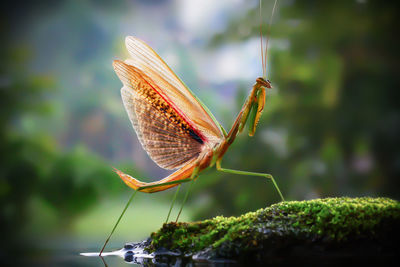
point(195, 136)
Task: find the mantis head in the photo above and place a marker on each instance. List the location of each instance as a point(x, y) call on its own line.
point(258, 103)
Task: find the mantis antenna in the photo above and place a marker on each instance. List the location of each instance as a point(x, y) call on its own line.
point(264, 55)
point(261, 45)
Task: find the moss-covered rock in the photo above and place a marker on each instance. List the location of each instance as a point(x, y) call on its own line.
point(333, 229)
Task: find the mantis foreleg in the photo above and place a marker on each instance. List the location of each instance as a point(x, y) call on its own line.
point(251, 111)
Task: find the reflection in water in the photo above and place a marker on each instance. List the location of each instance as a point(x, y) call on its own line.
point(135, 253)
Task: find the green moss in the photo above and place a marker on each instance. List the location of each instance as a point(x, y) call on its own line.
point(331, 219)
point(340, 218)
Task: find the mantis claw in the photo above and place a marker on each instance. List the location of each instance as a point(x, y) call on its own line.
point(258, 108)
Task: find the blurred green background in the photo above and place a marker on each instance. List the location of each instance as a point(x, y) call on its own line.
point(331, 125)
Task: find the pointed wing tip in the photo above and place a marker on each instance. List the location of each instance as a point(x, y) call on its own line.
point(124, 72)
point(118, 66)
point(128, 39)
point(121, 174)
point(117, 63)
point(128, 180)
point(116, 170)
point(121, 68)
point(131, 40)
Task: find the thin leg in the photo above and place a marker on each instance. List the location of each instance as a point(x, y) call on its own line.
point(104, 261)
point(119, 219)
point(184, 200)
point(192, 177)
point(130, 200)
point(173, 202)
point(266, 175)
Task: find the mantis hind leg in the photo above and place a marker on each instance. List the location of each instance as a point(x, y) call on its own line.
point(119, 219)
point(173, 202)
point(193, 178)
point(184, 199)
point(266, 175)
point(178, 182)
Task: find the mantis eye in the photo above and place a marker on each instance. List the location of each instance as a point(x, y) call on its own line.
point(268, 84)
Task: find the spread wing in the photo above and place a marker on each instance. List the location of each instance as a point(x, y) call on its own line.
point(171, 124)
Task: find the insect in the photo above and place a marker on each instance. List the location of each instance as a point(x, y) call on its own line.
point(174, 127)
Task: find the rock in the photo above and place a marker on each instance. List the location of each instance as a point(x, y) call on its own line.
point(321, 231)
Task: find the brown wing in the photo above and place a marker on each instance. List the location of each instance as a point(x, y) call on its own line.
point(166, 136)
point(172, 88)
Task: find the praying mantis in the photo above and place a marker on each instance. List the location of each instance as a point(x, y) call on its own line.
point(174, 127)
